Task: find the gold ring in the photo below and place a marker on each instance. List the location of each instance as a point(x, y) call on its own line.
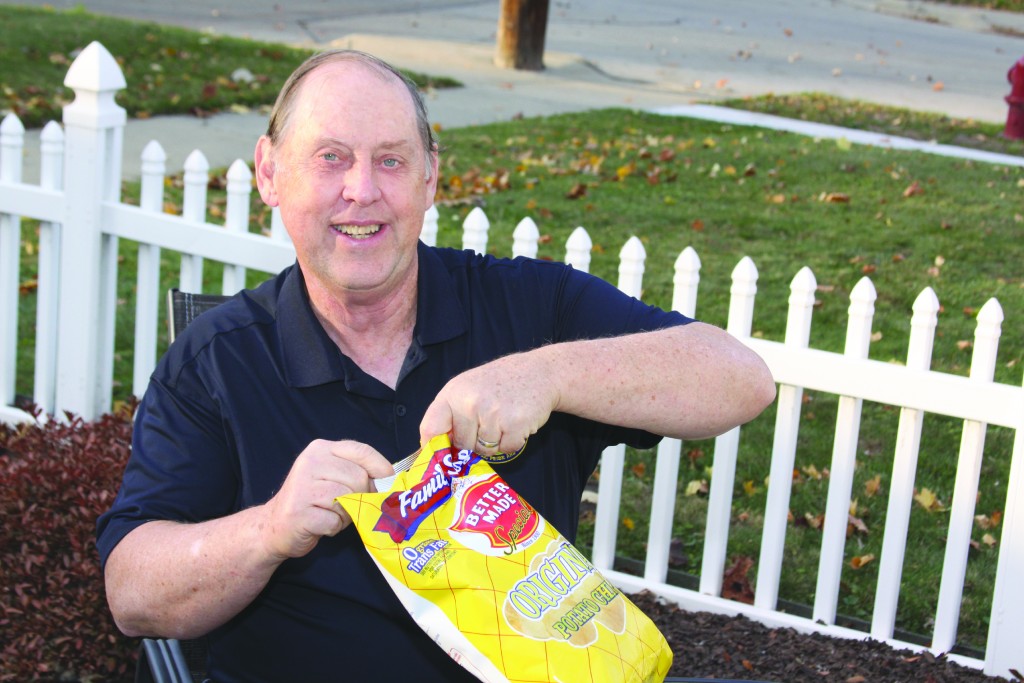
point(487, 444)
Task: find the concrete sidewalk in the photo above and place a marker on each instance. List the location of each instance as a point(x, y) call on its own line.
point(611, 53)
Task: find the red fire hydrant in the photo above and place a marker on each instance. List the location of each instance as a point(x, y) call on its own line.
point(1015, 118)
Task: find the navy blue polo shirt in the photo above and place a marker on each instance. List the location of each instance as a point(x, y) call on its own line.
point(250, 384)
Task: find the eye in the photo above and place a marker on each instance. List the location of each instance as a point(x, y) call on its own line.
point(329, 156)
point(390, 163)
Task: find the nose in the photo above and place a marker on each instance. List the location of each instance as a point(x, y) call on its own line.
point(360, 184)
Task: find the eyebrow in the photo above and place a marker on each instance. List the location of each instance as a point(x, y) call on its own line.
point(387, 144)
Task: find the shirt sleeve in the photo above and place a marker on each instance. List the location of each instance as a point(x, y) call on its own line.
point(591, 308)
point(178, 469)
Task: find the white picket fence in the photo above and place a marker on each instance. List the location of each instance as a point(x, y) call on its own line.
point(77, 202)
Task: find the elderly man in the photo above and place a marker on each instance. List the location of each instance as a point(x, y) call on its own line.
point(309, 386)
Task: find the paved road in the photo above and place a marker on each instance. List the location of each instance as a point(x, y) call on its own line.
point(602, 53)
point(947, 59)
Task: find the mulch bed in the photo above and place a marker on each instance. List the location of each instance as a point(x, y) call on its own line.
point(716, 646)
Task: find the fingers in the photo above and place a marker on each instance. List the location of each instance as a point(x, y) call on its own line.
point(305, 509)
point(372, 462)
point(493, 408)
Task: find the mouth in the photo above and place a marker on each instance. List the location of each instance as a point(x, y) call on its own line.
point(359, 232)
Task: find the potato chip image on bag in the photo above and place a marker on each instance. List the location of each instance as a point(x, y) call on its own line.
point(494, 585)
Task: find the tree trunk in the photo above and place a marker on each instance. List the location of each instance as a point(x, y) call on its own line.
point(521, 29)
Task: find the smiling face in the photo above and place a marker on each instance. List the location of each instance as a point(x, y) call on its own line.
point(352, 180)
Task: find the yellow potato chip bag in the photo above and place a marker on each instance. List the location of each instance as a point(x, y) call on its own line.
point(494, 585)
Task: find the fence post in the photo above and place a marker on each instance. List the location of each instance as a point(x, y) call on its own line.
point(666, 472)
point(613, 458)
point(965, 488)
point(94, 126)
point(12, 142)
point(904, 471)
point(474, 231)
point(685, 281)
point(577, 249)
point(844, 458)
point(147, 295)
point(787, 428)
point(429, 234)
point(524, 239)
point(236, 218)
point(193, 208)
point(51, 177)
point(1003, 650)
point(723, 467)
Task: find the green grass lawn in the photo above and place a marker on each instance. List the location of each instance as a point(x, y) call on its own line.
point(907, 220)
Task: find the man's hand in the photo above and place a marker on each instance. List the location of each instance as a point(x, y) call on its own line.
point(304, 509)
point(494, 408)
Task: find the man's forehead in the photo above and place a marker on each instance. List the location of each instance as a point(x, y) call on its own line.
point(349, 73)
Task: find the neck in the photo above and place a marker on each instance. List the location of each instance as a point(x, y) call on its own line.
point(374, 331)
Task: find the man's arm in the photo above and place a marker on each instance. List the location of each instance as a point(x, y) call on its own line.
point(691, 381)
point(183, 580)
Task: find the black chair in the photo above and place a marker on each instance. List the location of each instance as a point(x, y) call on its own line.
point(184, 307)
point(165, 660)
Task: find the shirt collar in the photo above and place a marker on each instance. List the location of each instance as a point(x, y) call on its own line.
point(439, 317)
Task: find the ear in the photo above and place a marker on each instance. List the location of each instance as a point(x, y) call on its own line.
point(265, 171)
point(431, 182)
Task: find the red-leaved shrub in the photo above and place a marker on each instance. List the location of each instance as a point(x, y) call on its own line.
point(55, 480)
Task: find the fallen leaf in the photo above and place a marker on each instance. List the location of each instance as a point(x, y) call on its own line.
point(861, 560)
point(578, 190)
point(913, 190)
point(855, 525)
point(696, 487)
point(927, 499)
point(814, 521)
point(639, 469)
point(872, 486)
point(988, 522)
point(964, 344)
point(735, 584)
point(812, 472)
point(749, 488)
point(628, 523)
point(989, 540)
point(697, 224)
point(836, 198)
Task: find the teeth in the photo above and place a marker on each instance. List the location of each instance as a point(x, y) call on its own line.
point(357, 230)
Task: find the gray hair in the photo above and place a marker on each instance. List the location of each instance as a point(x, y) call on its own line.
point(281, 113)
